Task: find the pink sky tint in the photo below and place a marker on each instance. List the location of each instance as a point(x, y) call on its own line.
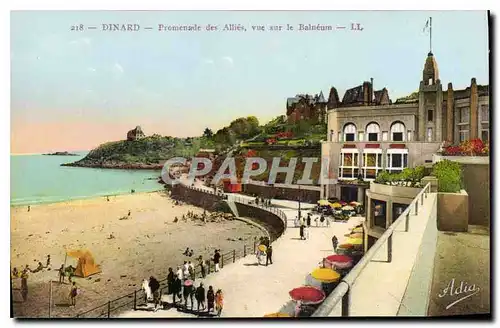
point(41, 137)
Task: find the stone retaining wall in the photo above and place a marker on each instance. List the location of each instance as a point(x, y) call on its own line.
point(306, 196)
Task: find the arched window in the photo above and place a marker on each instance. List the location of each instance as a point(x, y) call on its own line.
point(349, 132)
point(373, 131)
point(397, 131)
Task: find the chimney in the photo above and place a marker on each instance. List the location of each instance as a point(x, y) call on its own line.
point(366, 93)
point(449, 114)
point(473, 109)
point(373, 90)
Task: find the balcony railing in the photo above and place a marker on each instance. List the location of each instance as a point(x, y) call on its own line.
point(342, 292)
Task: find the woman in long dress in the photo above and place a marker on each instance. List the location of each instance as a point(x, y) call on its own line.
point(219, 302)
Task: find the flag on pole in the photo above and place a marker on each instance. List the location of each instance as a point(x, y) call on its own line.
point(426, 25)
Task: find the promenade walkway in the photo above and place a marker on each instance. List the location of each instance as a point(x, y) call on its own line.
point(252, 290)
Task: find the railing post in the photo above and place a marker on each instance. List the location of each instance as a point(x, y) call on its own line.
point(234, 255)
point(416, 207)
point(135, 300)
point(389, 249)
point(109, 308)
point(244, 250)
point(407, 222)
point(345, 303)
point(222, 261)
point(422, 199)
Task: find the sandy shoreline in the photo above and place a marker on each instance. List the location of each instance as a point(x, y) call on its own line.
point(146, 244)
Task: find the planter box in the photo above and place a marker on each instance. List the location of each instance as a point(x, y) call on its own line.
point(453, 211)
point(462, 159)
point(394, 191)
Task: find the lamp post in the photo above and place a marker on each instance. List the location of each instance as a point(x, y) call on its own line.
point(299, 200)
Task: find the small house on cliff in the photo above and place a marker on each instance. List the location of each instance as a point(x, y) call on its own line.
point(135, 134)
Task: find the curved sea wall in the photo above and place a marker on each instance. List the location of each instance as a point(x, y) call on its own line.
point(268, 218)
point(199, 197)
point(271, 221)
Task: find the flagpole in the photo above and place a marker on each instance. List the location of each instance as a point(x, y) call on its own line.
point(430, 34)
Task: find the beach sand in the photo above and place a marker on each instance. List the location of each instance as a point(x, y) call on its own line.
point(146, 244)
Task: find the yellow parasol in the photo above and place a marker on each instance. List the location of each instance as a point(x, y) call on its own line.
point(355, 241)
point(262, 248)
point(336, 205)
point(358, 229)
point(356, 235)
point(325, 275)
point(323, 202)
point(277, 315)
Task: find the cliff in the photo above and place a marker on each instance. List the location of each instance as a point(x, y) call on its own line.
point(144, 153)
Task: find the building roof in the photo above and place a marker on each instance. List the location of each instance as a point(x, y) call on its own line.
point(353, 95)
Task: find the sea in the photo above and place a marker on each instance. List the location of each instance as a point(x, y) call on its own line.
point(36, 179)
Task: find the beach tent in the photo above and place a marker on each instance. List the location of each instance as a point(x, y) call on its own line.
point(86, 265)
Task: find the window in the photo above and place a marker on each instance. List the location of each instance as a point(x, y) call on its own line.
point(349, 132)
point(373, 131)
point(397, 131)
point(397, 160)
point(485, 135)
point(349, 164)
point(372, 163)
point(430, 81)
point(485, 123)
point(463, 134)
point(430, 115)
point(360, 136)
point(485, 114)
point(397, 210)
point(429, 134)
point(464, 115)
point(378, 213)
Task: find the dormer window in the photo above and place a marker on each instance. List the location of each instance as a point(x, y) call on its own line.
point(430, 81)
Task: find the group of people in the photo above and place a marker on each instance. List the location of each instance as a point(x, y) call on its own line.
point(24, 274)
point(262, 201)
point(180, 284)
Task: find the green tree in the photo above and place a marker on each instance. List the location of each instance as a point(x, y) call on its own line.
point(208, 133)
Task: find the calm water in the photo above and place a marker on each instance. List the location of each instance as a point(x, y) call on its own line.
point(41, 179)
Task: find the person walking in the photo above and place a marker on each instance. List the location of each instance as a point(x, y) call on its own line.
point(24, 283)
point(210, 299)
point(202, 266)
point(61, 274)
point(301, 231)
point(191, 271)
point(73, 293)
point(154, 285)
point(185, 271)
point(176, 289)
point(200, 297)
point(170, 281)
point(335, 243)
point(219, 302)
point(179, 273)
point(217, 260)
point(308, 219)
point(186, 293)
point(269, 255)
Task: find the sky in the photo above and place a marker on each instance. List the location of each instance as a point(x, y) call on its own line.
point(73, 90)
